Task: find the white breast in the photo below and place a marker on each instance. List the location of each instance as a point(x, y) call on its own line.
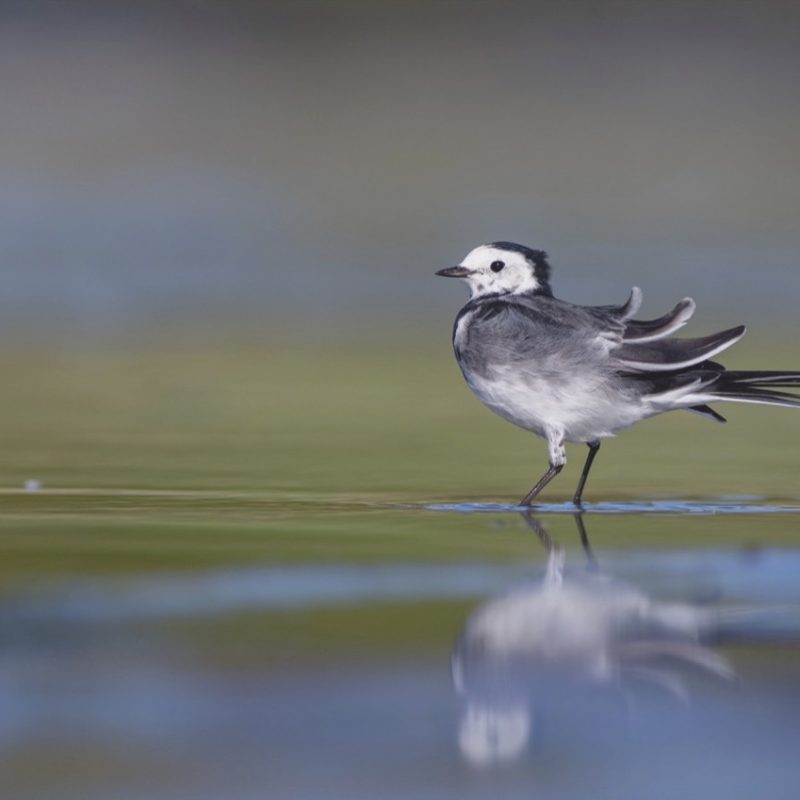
point(579, 406)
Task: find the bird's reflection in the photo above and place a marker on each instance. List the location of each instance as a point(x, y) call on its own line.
point(572, 636)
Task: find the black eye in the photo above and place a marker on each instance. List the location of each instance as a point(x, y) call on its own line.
point(496, 266)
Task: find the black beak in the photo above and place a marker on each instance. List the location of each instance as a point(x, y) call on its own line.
point(454, 272)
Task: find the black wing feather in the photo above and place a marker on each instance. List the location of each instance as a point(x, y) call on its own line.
point(647, 330)
point(673, 354)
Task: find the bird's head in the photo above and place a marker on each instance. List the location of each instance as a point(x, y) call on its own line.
point(503, 268)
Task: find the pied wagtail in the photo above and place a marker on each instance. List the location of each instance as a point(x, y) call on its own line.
point(572, 373)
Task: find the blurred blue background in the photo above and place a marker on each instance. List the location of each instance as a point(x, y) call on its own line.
point(280, 165)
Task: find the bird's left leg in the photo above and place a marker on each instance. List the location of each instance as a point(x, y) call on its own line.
point(593, 448)
point(558, 458)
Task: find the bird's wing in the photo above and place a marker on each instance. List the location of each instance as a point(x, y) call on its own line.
point(623, 312)
point(663, 355)
point(514, 329)
point(648, 330)
point(522, 328)
point(646, 347)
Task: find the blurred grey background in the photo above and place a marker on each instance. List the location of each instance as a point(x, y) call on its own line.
point(298, 168)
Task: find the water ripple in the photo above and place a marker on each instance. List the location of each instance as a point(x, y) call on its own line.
point(683, 507)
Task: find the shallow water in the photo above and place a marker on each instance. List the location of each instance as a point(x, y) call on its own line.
point(627, 667)
point(721, 506)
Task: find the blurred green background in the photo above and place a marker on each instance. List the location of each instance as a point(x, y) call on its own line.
point(155, 459)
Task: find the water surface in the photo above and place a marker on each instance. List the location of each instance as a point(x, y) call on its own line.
point(537, 667)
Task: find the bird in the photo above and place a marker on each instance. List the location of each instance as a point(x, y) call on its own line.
point(582, 374)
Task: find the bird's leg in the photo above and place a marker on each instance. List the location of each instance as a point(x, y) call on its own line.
point(552, 471)
point(593, 448)
point(558, 458)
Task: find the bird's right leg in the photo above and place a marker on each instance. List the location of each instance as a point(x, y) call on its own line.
point(593, 448)
point(558, 458)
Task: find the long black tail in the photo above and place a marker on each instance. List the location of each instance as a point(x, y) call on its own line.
point(759, 378)
point(757, 387)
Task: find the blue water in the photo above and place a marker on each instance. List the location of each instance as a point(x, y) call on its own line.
point(734, 506)
point(621, 673)
point(770, 575)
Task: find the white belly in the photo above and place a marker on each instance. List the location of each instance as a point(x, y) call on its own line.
point(582, 407)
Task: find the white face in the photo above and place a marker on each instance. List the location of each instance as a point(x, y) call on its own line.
point(487, 276)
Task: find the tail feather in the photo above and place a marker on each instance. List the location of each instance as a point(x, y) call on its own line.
point(757, 387)
point(762, 378)
point(695, 387)
point(760, 400)
point(742, 393)
point(706, 411)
